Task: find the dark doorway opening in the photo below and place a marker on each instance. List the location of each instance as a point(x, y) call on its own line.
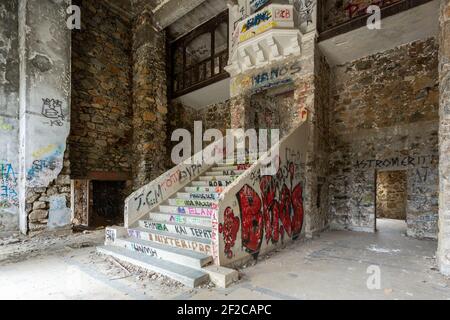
point(107, 203)
point(391, 199)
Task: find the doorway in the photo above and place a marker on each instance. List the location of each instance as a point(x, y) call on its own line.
point(391, 201)
point(107, 203)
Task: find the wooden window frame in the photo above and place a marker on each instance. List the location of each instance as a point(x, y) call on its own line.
point(208, 27)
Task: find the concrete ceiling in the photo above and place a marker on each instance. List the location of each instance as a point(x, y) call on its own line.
point(178, 16)
point(418, 23)
point(199, 15)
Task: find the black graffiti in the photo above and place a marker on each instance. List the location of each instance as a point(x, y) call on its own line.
point(407, 161)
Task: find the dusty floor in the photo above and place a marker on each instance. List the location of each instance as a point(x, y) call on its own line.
point(333, 266)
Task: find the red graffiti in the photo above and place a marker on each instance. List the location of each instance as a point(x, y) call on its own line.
point(252, 219)
point(278, 204)
point(357, 9)
point(229, 229)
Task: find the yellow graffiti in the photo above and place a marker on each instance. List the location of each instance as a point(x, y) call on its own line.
point(261, 29)
point(43, 151)
point(5, 126)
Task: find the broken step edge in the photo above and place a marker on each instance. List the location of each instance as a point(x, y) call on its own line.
point(192, 259)
point(188, 276)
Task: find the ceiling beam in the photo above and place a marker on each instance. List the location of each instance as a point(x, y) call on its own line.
point(169, 11)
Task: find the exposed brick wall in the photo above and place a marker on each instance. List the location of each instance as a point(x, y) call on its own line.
point(101, 129)
point(384, 116)
point(215, 116)
point(150, 104)
point(392, 195)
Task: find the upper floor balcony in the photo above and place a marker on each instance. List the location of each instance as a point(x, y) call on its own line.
point(267, 35)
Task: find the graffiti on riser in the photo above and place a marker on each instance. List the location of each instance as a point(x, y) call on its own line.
point(8, 186)
point(277, 211)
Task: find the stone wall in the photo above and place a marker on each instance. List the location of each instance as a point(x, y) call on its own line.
point(318, 165)
point(150, 104)
point(101, 130)
point(392, 195)
point(9, 116)
point(215, 116)
point(384, 116)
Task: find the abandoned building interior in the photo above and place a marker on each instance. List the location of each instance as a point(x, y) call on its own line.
point(87, 116)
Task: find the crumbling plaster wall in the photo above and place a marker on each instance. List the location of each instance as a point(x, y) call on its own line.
point(9, 116)
point(384, 116)
point(44, 52)
point(443, 254)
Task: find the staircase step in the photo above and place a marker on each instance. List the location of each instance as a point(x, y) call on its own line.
point(173, 240)
point(204, 189)
point(193, 203)
point(198, 196)
point(180, 256)
point(215, 183)
point(180, 218)
point(241, 167)
point(193, 211)
point(218, 171)
point(218, 178)
point(187, 276)
point(177, 229)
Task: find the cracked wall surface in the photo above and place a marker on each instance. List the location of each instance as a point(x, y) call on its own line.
point(9, 116)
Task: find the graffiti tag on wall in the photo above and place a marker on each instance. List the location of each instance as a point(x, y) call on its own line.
point(52, 110)
point(305, 9)
point(43, 167)
point(8, 186)
point(275, 212)
point(396, 162)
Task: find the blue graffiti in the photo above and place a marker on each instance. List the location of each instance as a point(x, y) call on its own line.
point(49, 163)
point(8, 185)
point(256, 20)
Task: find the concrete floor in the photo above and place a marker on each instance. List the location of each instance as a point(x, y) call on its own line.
point(333, 266)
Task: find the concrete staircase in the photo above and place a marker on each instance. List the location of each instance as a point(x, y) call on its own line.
point(174, 239)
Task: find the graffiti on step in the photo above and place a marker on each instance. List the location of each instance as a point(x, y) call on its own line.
point(196, 203)
point(204, 196)
point(220, 183)
point(278, 210)
point(178, 229)
point(110, 235)
point(8, 186)
point(229, 229)
point(174, 242)
point(187, 220)
point(144, 249)
point(202, 212)
point(397, 162)
point(52, 110)
point(149, 198)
